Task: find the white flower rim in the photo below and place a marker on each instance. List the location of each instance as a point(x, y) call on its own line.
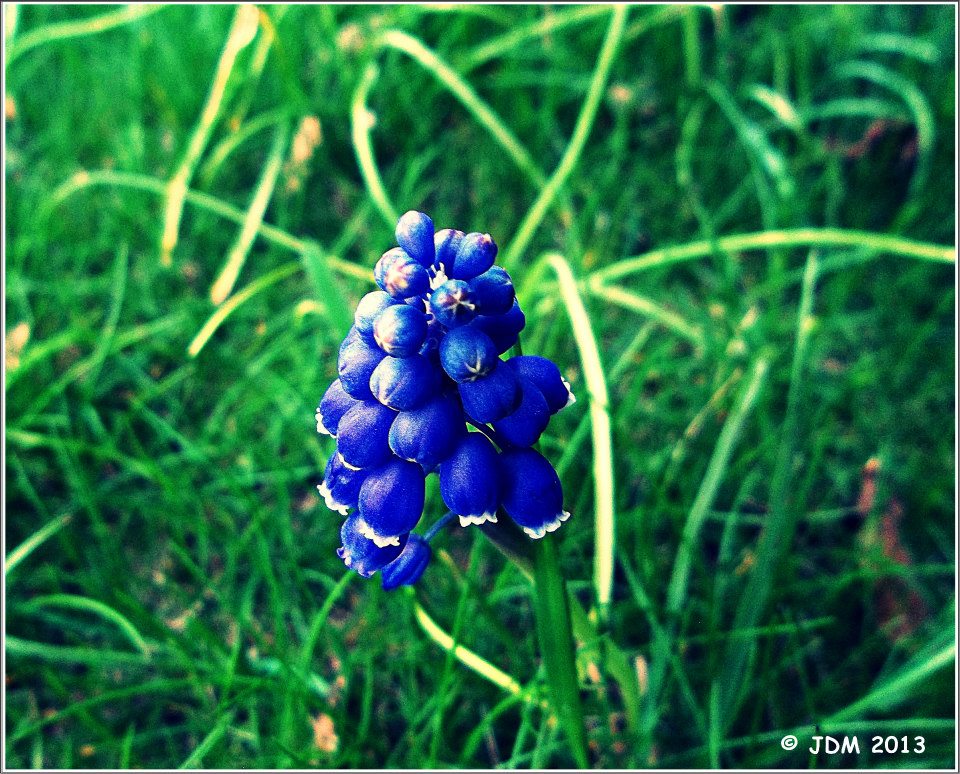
point(571, 398)
point(481, 518)
point(550, 526)
point(331, 502)
point(379, 540)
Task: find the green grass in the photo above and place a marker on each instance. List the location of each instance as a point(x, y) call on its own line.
point(733, 229)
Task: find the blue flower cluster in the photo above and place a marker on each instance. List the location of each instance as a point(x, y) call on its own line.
point(421, 363)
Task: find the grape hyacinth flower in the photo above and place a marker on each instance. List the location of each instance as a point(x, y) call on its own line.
point(424, 388)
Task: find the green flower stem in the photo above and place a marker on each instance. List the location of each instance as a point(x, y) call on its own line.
point(552, 610)
point(554, 628)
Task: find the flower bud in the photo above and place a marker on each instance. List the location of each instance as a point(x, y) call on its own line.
point(391, 501)
point(475, 254)
point(428, 434)
point(362, 435)
point(530, 492)
point(400, 330)
point(407, 568)
point(361, 554)
point(367, 310)
point(493, 396)
point(503, 329)
point(341, 485)
point(401, 275)
point(524, 426)
point(493, 291)
point(333, 405)
point(404, 383)
point(356, 363)
point(446, 243)
point(545, 374)
point(470, 480)
point(451, 303)
point(467, 354)
point(415, 235)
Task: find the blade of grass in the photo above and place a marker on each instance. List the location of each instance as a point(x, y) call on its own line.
point(691, 46)
point(126, 746)
point(223, 150)
point(897, 689)
point(33, 542)
point(63, 654)
point(77, 371)
point(891, 693)
point(195, 759)
point(644, 306)
point(10, 19)
point(160, 685)
point(467, 657)
point(251, 224)
point(571, 450)
point(362, 120)
point(77, 29)
point(243, 29)
point(502, 44)
point(895, 43)
point(923, 119)
point(769, 240)
point(446, 690)
point(593, 374)
point(778, 105)
point(763, 156)
point(76, 602)
point(327, 291)
point(777, 535)
point(677, 587)
point(581, 132)
point(850, 107)
point(661, 651)
point(237, 299)
point(121, 269)
point(469, 98)
point(84, 180)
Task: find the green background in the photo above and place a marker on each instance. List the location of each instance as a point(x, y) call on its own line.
point(173, 592)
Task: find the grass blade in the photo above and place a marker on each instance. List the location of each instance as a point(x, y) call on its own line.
point(719, 461)
point(75, 602)
point(121, 269)
point(237, 299)
point(467, 657)
point(77, 29)
point(469, 98)
point(557, 20)
point(593, 375)
point(195, 759)
point(636, 303)
point(362, 120)
point(770, 240)
point(84, 180)
point(777, 534)
point(251, 224)
point(65, 654)
point(327, 290)
point(242, 31)
point(581, 131)
point(33, 542)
